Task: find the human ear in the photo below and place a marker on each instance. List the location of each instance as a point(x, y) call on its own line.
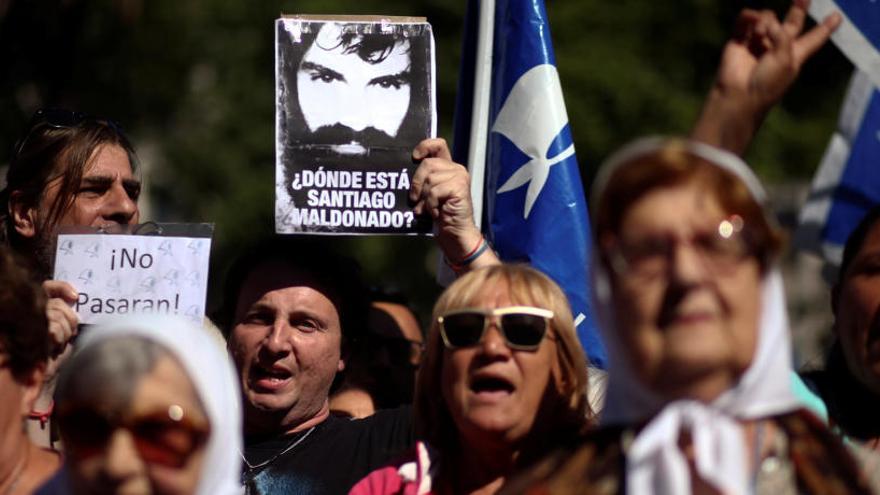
point(340, 365)
point(23, 215)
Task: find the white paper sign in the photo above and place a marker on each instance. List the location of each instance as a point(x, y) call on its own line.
point(122, 274)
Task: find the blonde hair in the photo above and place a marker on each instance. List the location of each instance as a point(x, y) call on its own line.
point(525, 286)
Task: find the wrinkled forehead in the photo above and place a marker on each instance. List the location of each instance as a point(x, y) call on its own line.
point(110, 160)
point(331, 50)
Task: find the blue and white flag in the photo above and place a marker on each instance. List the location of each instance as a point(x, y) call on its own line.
point(535, 210)
point(858, 37)
point(847, 183)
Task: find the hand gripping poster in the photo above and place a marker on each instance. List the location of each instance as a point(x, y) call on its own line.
point(354, 95)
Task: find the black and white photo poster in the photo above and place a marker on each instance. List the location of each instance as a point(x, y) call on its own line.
point(354, 95)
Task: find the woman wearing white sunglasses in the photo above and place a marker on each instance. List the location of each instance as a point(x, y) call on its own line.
point(503, 381)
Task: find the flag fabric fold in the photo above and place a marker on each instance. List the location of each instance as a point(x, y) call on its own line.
point(535, 208)
point(847, 183)
point(858, 37)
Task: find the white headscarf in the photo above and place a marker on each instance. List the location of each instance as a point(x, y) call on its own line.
point(208, 366)
point(655, 463)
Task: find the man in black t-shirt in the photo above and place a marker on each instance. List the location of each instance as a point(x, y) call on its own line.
point(293, 307)
point(327, 458)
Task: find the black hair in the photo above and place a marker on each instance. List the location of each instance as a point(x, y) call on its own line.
point(856, 239)
point(336, 276)
point(372, 47)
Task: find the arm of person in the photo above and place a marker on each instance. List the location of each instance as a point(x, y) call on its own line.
point(441, 188)
point(758, 65)
point(62, 323)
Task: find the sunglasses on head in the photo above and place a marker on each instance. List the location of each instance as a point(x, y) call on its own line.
point(59, 118)
point(164, 438)
point(523, 327)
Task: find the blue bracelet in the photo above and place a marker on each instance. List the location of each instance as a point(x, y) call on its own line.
point(461, 265)
point(470, 259)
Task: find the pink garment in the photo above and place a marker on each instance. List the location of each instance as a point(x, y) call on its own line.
point(411, 476)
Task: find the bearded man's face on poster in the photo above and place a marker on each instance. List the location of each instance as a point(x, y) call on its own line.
point(354, 90)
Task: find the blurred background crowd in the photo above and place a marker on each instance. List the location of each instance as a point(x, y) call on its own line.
point(192, 83)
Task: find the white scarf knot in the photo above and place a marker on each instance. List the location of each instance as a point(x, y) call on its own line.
point(656, 464)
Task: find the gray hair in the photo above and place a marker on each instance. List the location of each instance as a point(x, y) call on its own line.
point(107, 373)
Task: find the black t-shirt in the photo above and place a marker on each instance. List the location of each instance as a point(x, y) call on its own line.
point(330, 459)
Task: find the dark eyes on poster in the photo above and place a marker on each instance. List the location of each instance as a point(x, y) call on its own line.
point(354, 95)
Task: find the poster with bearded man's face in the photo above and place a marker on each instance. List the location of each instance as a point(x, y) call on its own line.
point(354, 95)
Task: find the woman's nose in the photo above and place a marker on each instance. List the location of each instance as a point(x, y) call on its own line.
point(494, 342)
point(686, 265)
point(121, 459)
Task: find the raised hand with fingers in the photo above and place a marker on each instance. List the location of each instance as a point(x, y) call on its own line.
point(441, 188)
point(758, 65)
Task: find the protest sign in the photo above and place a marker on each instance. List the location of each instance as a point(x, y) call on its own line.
point(122, 274)
point(355, 94)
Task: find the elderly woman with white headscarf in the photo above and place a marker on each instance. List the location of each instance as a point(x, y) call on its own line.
point(693, 312)
point(147, 405)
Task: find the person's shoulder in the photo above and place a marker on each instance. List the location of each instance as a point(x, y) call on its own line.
point(383, 419)
point(391, 427)
point(807, 431)
point(591, 463)
point(57, 484)
point(818, 450)
point(803, 422)
point(603, 444)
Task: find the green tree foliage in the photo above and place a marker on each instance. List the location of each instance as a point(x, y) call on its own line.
point(192, 81)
